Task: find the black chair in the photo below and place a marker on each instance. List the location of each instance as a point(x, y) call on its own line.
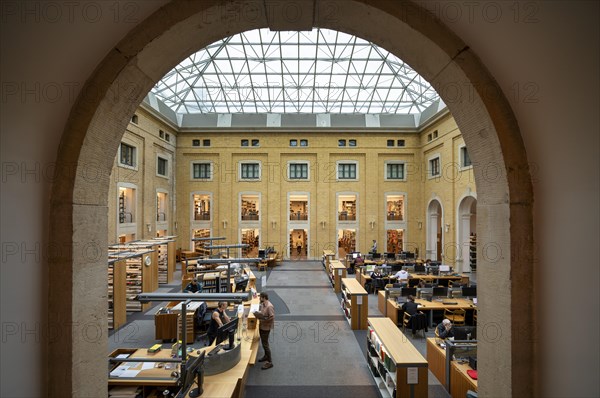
point(418, 322)
point(378, 284)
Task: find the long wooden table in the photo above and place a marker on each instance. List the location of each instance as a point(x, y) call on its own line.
point(436, 358)
point(393, 309)
point(226, 384)
point(460, 381)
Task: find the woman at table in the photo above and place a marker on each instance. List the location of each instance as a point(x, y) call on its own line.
point(219, 318)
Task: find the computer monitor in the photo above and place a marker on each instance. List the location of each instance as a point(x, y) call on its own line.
point(409, 291)
point(402, 256)
point(434, 270)
point(355, 254)
point(464, 333)
point(419, 268)
point(391, 256)
point(444, 268)
point(227, 331)
point(409, 255)
point(241, 284)
point(376, 255)
point(194, 370)
point(469, 291)
point(369, 268)
point(396, 268)
point(440, 291)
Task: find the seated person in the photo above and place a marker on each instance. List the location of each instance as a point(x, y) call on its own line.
point(359, 261)
point(401, 275)
point(218, 318)
point(410, 306)
point(376, 274)
point(193, 287)
point(444, 329)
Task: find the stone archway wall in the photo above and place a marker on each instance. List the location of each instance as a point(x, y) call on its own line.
point(77, 299)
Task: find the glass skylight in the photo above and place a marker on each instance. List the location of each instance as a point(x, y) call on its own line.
point(321, 71)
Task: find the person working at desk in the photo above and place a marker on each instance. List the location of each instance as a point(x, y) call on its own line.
point(401, 275)
point(410, 306)
point(218, 319)
point(193, 287)
point(359, 261)
point(444, 329)
point(266, 315)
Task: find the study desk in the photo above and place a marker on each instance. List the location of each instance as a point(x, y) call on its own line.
point(460, 381)
point(227, 384)
point(393, 309)
point(436, 357)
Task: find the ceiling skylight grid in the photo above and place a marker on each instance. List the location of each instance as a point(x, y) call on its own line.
point(320, 71)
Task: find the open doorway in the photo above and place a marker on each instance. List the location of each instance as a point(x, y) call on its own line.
point(298, 243)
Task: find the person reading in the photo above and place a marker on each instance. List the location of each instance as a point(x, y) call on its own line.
point(193, 287)
point(266, 316)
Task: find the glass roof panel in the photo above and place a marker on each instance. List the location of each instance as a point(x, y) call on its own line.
point(321, 71)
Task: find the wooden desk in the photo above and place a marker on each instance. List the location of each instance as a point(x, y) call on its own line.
point(460, 382)
point(337, 271)
point(436, 357)
point(393, 309)
point(355, 303)
point(166, 324)
point(227, 384)
point(381, 302)
point(406, 359)
point(328, 256)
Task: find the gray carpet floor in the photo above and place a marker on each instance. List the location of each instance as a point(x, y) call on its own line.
point(315, 353)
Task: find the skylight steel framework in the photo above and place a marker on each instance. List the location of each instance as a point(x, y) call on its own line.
point(321, 71)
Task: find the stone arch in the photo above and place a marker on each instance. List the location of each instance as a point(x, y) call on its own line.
point(76, 364)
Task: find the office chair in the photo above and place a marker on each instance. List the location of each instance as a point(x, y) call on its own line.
point(415, 322)
point(457, 317)
point(378, 284)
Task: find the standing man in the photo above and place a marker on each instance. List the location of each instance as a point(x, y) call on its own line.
point(266, 315)
point(374, 247)
point(218, 319)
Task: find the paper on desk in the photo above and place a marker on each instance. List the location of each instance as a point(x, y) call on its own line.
point(122, 356)
point(148, 365)
point(129, 373)
point(119, 370)
point(254, 308)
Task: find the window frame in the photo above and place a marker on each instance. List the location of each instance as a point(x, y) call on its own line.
point(241, 163)
point(430, 159)
point(134, 156)
point(160, 157)
point(346, 162)
point(394, 162)
point(202, 162)
point(462, 149)
point(298, 162)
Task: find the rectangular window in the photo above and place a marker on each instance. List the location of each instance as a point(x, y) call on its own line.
point(390, 142)
point(244, 143)
point(127, 155)
point(293, 142)
point(351, 142)
point(195, 142)
point(206, 142)
point(435, 134)
point(161, 134)
point(167, 137)
point(298, 171)
point(429, 137)
point(341, 142)
point(347, 171)
point(162, 167)
point(401, 143)
point(250, 171)
point(303, 142)
point(434, 167)
point(134, 119)
point(255, 143)
point(464, 157)
point(201, 171)
point(395, 171)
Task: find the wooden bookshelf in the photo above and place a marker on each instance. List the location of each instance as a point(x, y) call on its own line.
point(337, 271)
point(397, 366)
point(355, 303)
point(117, 314)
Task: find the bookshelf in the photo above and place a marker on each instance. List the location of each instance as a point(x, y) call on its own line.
point(165, 258)
point(199, 246)
point(133, 280)
point(396, 365)
point(473, 251)
point(117, 314)
point(355, 303)
point(337, 271)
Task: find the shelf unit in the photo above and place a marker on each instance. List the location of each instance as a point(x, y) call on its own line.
point(337, 271)
point(165, 258)
point(398, 368)
point(199, 246)
point(141, 270)
point(117, 314)
point(355, 303)
point(328, 255)
point(473, 252)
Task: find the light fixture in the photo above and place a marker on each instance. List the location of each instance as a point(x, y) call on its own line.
point(224, 224)
point(447, 227)
point(274, 224)
point(149, 227)
point(372, 224)
point(420, 224)
point(175, 225)
point(323, 224)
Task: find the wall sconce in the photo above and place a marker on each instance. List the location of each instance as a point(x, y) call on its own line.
point(447, 227)
point(323, 224)
point(224, 224)
point(372, 224)
point(420, 224)
point(273, 224)
point(149, 227)
point(175, 225)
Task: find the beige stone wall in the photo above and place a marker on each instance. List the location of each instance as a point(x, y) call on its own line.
point(144, 136)
point(274, 153)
